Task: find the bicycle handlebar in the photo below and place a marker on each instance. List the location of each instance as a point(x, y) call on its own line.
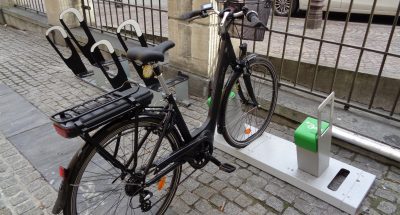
point(251, 16)
point(192, 14)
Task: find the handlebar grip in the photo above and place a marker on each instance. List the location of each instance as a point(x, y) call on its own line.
point(191, 14)
point(252, 17)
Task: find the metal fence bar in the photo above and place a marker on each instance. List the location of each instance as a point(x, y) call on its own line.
point(395, 103)
point(361, 52)
point(385, 56)
point(270, 27)
point(340, 45)
point(108, 15)
point(320, 46)
point(32, 5)
point(302, 43)
point(159, 19)
point(285, 40)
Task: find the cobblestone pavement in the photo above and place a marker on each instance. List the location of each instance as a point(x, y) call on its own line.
point(30, 67)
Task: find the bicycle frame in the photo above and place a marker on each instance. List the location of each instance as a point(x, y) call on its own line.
point(227, 57)
point(205, 133)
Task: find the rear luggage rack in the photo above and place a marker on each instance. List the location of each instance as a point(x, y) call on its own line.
point(98, 111)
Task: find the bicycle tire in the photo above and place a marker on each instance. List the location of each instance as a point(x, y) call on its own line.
point(238, 131)
point(123, 203)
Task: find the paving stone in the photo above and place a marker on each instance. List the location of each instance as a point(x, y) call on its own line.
point(395, 169)
point(189, 198)
point(390, 185)
point(275, 203)
point(49, 200)
point(243, 201)
point(35, 211)
point(211, 168)
point(194, 212)
point(19, 198)
point(42, 192)
point(203, 206)
point(235, 181)
point(272, 188)
point(180, 206)
point(3, 167)
point(218, 185)
point(205, 178)
point(190, 184)
point(259, 194)
point(205, 192)
point(247, 188)
point(231, 208)
point(393, 177)
point(302, 205)
point(243, 173)
point(11, 191)
point(7, 182)
point(24, 207)
point(386, 194)
point(253, 169)
point(387, 207)
point(344, 153)
point(286, 195)
point(278, 182)
point(265, 175)
point(257, 181)
point(218, 200)
point(256, 209)
point(5, 211)
point(291, 211)
point(222, 175)
point(241, 163)
point(230, 193)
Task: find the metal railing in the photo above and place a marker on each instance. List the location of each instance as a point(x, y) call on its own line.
point(32, 5)
point(359, 61)
point(106, 15)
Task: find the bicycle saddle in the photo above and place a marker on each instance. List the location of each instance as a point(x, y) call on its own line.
point(149, 54)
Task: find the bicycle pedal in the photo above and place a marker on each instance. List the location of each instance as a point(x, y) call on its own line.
point(226, 167)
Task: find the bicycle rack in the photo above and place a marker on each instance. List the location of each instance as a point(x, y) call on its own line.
point(74, 62)
point(340, 184)
point(93, 57)
point(120, 78)
point(180, 82)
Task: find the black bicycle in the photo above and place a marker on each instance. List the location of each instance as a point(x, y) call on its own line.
point(133, 154)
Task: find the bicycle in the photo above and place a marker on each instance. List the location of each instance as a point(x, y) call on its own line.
point(133, 154)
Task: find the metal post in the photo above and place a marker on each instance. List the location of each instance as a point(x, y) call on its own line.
point(315, 14)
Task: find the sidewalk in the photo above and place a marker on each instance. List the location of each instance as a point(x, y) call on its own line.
point(30, 67)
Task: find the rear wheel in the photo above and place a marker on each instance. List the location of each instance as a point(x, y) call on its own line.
point(97, 187)
point(243, 119)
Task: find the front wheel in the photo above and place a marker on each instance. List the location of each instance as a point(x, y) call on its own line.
point(247, 106)
point(97, 186)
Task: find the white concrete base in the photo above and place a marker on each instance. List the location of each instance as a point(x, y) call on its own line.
point(278, 157)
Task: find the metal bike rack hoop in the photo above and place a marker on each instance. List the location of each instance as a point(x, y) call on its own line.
point(93, 57)
point(74, 62)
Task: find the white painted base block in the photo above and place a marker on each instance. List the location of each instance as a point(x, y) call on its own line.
point(278, 157)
